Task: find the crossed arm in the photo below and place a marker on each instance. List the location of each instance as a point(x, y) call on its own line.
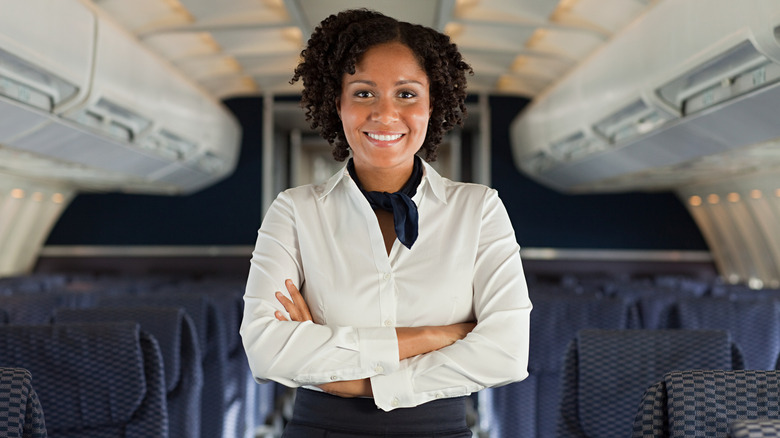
point(412, 341)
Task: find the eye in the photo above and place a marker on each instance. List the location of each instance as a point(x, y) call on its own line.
point(363, 94)
point(407, 95)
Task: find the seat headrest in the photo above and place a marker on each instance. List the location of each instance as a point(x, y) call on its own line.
point(87, 375)
point(623, 363)
point(166, 324)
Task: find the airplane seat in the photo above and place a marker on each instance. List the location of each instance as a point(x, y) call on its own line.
point(22, 413)
point(210, 330)
point(653, 301)
point(32, 283)
point(607, 371)
point(241, 398)
point(752, 294)
point(711, 403)
point(175, 333)
point(687, 284)
point(744, 319)
point(98, 379)
point(37, 308)
point(241, 414)
point(4, 318)
point(532, 403)
point(758, 428)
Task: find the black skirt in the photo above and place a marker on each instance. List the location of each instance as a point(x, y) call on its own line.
point(320, 415)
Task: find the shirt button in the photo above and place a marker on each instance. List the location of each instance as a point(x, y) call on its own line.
point(388, 323)
point(379, 369)
point(395, 403)
point(334, 378)
point(439, 395)
point(387, 276)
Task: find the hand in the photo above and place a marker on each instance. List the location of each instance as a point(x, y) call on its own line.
point(297, 307)
point(349, 388)
point(420, 340)
point(455, 332)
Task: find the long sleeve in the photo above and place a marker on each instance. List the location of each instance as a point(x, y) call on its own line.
point(496, 351)
point(293, 353)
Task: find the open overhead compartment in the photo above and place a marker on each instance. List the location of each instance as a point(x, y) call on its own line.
point(84, 100)
point(689, 79)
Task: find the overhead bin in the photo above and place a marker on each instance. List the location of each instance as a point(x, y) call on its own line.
point(689, 79)
point(46, 51)
point(78, 91)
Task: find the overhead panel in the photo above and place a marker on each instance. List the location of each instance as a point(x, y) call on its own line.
point(658, 97)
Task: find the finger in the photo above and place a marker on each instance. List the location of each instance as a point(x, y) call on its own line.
point(300, 303)
point(279, 316)
point(289, 306)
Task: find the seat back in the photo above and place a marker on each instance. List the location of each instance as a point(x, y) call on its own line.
point(22, 415)
point(607, 371)
point(175, 332)
point(92, 379)
point(763, 428)
point(707, 403)
point(743, 318)
point(28, 309)
point(529, 407)
point(210, 329)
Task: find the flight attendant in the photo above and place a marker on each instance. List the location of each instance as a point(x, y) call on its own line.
point(387, 294)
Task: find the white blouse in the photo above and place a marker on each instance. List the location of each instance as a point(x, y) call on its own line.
point(464, 266)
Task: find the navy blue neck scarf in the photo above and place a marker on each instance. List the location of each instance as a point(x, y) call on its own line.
point(405, 217)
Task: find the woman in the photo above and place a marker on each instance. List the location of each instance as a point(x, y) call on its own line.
point(412, 293)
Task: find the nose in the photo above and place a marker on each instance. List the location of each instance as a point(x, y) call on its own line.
point(384, 111)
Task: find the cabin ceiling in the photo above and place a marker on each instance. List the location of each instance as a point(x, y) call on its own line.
point(250, 47)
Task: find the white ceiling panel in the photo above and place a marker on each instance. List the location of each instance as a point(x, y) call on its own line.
point(260, 41)
point(244, 47)
point(202, 10)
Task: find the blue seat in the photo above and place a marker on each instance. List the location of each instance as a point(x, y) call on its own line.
point(37, 308)
point(708, 403)
point(21, 415)
point(210, 328)
point(175, 332)
point(754, 324)
point(97, 380)
point(607, 371)
point(529, 407)
point(763, 428)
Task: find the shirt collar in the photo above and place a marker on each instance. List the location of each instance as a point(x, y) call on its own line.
point(429, 173)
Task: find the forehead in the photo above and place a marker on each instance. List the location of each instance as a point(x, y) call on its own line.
point(388, 59)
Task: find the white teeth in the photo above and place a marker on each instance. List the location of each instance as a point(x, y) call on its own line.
point(380, 137)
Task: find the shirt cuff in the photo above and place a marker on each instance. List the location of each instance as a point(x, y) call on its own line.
point(378, 349)
point(393, 391)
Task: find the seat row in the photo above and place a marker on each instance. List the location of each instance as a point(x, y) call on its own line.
point(532, 407)
point(209, 391)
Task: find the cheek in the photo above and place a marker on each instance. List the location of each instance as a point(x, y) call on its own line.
point(420, 120)
point(350, 117)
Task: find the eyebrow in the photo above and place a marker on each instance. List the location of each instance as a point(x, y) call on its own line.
point(373, 84)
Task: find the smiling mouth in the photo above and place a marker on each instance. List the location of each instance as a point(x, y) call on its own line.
point(384, 137)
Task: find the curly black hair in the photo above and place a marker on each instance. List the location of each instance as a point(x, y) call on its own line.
point(338, 43)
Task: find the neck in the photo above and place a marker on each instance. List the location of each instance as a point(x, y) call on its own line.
point(384, 180)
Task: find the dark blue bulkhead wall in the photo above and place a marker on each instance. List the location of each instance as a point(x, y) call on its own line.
point(229, 213)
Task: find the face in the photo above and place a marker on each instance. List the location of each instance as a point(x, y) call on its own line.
point(384, 108)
